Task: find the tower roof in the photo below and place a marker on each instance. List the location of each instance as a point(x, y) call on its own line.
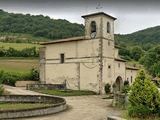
point(99, 13)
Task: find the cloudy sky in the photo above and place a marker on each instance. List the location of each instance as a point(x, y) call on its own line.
point(132, 15)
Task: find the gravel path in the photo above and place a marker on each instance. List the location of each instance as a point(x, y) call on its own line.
point(79, 107)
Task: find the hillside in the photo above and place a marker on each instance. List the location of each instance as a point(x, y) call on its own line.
point(38, 26)
point(143, 38)
point(33, 28)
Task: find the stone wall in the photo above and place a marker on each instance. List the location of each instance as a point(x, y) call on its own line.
point(120, 98)
point(45, 86)
point(57, 105)
point(25, 83)
point(114, 118)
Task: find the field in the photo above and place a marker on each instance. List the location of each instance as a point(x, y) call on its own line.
point(18, 46)
point(18, 66)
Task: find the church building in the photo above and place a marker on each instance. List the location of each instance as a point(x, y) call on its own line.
point(86, 62)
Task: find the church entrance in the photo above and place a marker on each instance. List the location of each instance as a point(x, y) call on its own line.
point(119, 83)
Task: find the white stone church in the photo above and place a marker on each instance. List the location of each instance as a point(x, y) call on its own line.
point(86, 62)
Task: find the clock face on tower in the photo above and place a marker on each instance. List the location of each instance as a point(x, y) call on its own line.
point(93, 35)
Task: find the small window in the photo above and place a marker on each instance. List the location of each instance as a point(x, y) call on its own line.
point(108, 27)
point(109, 43)
point(119, 65)
point(93, 26)
point(109, 67)
point(62, 58)
point(131, 79)
point(109, 71)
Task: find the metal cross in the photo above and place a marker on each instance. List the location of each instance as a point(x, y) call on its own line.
point(99, 7)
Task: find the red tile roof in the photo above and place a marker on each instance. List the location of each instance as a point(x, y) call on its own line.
point(98, 14)
point(64, 40)
point(131, 68)
point(117, 47)
point(119, 59)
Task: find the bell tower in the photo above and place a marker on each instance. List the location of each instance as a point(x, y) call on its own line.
point(99, 25)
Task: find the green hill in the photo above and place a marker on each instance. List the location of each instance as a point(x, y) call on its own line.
point(144, 38)
point(38, 26)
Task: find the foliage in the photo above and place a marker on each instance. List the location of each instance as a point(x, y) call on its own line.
point(69, 93)
point(125, 89)
point(114, 85)
point(151, 61)
point(144, 96)
point(136, 53)
point(38, 26)
point(146, 38)
point(34, 74)
point(126, 82)
point(107, 88)
point(10, 78)
point(26, 52)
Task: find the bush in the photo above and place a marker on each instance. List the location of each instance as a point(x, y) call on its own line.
point(107, 88)
point(125, 89)
point(34, 74)
point(126, 82)
point(9, 79)
point(144, 96)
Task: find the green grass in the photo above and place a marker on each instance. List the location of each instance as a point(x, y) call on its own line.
point(18, 66)
point(68, 93)
point(16, 106)
point(19, 46)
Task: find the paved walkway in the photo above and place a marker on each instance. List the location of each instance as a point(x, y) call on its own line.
point(79, 107)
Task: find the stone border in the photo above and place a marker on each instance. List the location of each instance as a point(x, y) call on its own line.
point(59, 104)
point(114, 118)
point(44, 86)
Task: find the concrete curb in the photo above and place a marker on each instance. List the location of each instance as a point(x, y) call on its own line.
point(114, 118)
point(59, 104)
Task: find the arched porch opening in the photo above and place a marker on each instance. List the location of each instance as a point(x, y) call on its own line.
point(119, 83)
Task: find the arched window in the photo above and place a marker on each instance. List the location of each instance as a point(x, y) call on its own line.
point(108, 27)
point(93, 26)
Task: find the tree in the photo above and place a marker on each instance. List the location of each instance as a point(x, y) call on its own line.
point(144, 96)
point(136, 53)
point(151, 61)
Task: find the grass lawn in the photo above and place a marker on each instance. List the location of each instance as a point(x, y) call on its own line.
point(66, 93)
point(18, 66)
point(16, 106)
point(18, 46)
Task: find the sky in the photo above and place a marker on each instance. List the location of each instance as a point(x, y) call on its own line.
point(132, 15)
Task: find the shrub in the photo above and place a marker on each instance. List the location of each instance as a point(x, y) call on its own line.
point(107, 88)
point(144, 96)
point(126, 82)
point(125, 89)
point(9, 79)
point(34, 74)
